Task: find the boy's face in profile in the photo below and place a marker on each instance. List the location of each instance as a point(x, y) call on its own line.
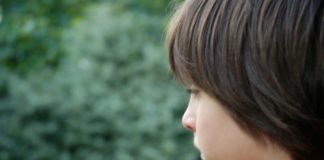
point(218, 137)
point(263, 60)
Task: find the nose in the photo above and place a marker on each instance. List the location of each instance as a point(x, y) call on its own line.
point(188, 123)
point(189, 118)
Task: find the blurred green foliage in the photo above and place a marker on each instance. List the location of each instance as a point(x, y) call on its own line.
point(31, 31)
point(86, 80)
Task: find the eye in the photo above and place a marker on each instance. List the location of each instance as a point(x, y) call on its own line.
point(193, 91)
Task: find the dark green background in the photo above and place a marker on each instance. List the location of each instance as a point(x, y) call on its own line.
point(88, 80)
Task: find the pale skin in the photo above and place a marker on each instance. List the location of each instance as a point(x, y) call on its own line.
point(218, 137)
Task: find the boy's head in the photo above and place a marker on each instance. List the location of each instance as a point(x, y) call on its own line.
point(263, 60)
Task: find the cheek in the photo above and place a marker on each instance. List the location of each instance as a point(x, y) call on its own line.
point(218, 136)
point(210, 131)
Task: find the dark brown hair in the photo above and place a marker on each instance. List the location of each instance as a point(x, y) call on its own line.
point(263, 59)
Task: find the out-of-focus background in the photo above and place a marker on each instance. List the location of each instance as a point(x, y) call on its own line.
point(88, 80)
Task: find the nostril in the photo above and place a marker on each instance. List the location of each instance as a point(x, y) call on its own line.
point(188, 127)
point(188, 123)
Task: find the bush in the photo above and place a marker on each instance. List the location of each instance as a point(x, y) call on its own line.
point(31, 32)
point(110, 95)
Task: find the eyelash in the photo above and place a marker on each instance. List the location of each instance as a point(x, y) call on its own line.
point(193, 91)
